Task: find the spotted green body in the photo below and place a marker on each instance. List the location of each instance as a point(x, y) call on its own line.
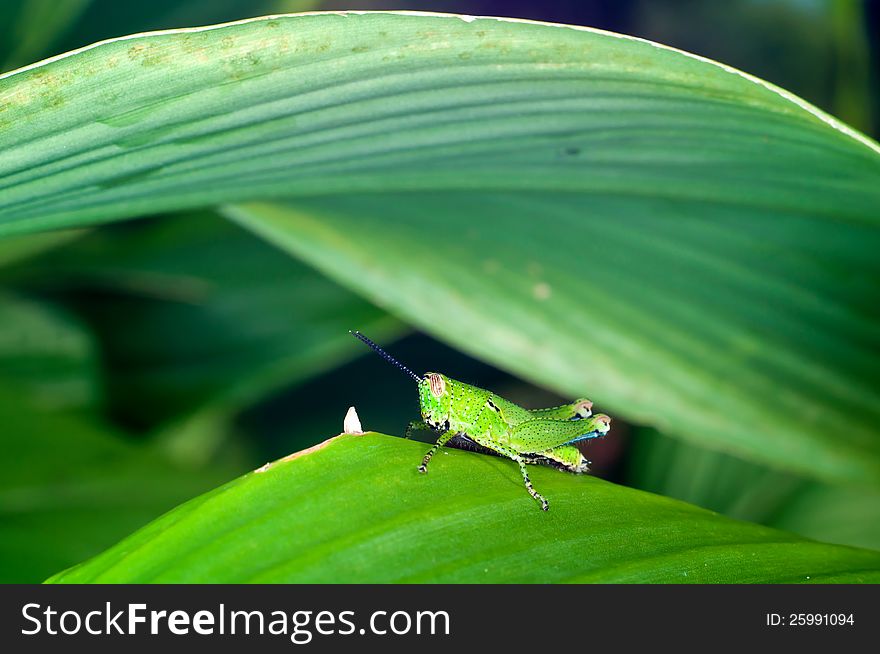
point(483, 420)
point(547, 436)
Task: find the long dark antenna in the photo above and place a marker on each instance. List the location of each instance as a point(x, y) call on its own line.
point(382, 353)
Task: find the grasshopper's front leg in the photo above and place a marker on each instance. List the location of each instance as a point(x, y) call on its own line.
point(444, 438)
point(416, 426)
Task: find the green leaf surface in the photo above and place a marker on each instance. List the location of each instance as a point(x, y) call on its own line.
point(383, 101)
point(354, 509)
point(689, 245)
point(748, 491)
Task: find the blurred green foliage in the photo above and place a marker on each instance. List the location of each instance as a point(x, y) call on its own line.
point(190, 308)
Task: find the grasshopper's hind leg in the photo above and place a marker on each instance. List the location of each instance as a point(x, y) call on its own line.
point(577, 410)
point(564, 457)
point(444, 438)
point(503, 450)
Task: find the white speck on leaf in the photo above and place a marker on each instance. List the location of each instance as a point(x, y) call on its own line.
point(263, 468)
point(352, 424)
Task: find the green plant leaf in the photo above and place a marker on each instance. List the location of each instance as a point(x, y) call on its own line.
point(833, 514)
point(71, 486)
point(748, 491)
point(32, 29)
point(28, 27)
point(691, 246)
point(343, 101)
point(354, 509)
point(48, 356)
point(16, 248)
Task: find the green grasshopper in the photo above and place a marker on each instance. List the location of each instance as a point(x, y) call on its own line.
point(477, 419)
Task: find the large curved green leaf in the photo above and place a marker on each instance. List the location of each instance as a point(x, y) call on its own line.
point(354, 509)
point(693, 247)
point(340, 101)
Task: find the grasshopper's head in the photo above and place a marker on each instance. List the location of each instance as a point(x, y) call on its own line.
point(435, 396)
point(599, 424)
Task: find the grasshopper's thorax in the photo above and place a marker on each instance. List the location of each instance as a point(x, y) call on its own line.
point(448, 404)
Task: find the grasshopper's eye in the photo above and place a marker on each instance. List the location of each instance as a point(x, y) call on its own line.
point(584, 409)
point(438, 386)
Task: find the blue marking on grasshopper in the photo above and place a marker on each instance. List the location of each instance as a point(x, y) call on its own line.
point(590, 434)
